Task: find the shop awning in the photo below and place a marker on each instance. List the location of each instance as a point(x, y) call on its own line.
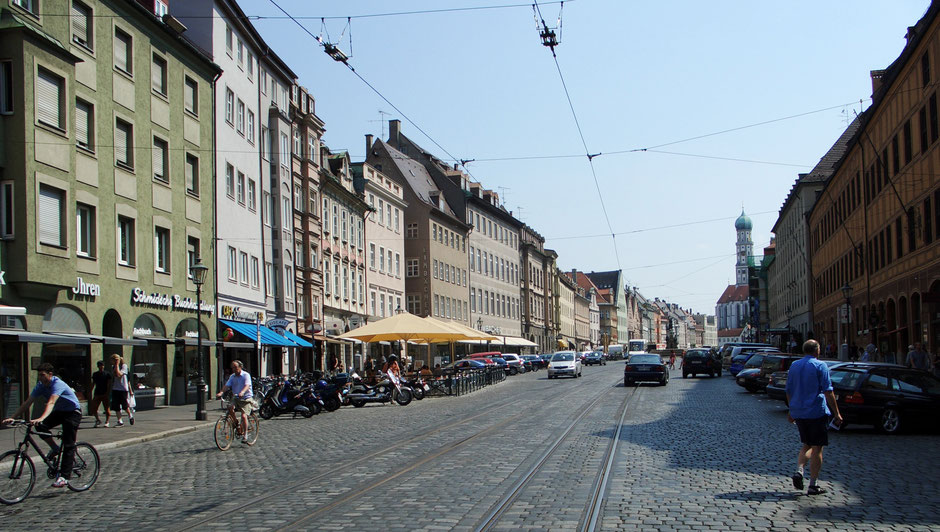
point(296, 339)
point(109, 340)
point(250, 330)
point(6, 310)
point(24, 336)
point(563, 344)
point(237, 345)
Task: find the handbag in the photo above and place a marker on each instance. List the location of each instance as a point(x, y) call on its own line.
point(131, 402)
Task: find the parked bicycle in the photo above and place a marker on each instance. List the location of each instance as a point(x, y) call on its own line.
point(228, 427)
point(18, 474)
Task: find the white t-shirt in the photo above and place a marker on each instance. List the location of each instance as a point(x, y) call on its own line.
point(120, 384)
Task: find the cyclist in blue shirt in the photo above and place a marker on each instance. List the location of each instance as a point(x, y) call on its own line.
point(62, 408)
point(811, 402)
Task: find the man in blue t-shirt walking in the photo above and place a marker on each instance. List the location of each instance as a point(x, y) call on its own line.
point(62, 408)
point(811, 401)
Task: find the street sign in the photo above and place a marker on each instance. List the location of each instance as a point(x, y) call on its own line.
point(845, 313)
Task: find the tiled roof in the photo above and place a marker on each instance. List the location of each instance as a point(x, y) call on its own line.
point(415, 175)
point(730, 333)
point(734, 293)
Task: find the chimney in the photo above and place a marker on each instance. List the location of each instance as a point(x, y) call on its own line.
point(877, 77)
point(368, 145)
point(394, 131)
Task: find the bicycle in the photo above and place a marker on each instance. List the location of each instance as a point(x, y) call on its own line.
point(229, 426)
point(18, 474)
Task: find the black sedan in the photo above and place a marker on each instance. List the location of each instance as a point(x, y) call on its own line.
point(594, 358)
point(888, 396)
point(645, 368)
point(748, 379)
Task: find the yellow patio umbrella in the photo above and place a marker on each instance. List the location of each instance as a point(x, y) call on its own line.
point(403, 326)
point(471, 334)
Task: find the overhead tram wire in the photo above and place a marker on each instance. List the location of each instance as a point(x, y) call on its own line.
point(549, 40)
point(376, 91)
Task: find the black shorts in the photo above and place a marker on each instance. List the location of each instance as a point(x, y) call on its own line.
point(814, 432)
point(119, 400)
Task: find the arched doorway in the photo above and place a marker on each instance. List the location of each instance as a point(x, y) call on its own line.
point(186, 363)
point(113, 326)
point(72, 362)
point(148, 362)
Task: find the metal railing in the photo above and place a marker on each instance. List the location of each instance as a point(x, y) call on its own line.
point(464, 381)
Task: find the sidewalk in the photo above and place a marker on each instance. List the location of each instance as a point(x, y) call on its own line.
point(148, 425)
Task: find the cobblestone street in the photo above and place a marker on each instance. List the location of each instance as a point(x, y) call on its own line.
point(696, 454)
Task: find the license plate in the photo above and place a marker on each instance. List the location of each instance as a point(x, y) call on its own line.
point(642, 368)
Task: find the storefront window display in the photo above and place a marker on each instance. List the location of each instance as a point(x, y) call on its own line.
point(72, 362)
point(148, 363)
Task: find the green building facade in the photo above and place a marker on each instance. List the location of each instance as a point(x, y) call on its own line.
point(106, 198)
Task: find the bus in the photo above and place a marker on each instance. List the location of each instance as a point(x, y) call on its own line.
point(636, 346)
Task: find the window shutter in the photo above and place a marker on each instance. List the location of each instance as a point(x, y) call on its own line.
point(50, 211)
point(80, 17)
point(120, 51)
point(47, 96)
point(189, 95)
point(159, 155)
point(81, 124)
point(190, 184)
point(120, 143)
point(156, 74)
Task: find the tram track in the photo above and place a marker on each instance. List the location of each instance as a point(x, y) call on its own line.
point(373, 457)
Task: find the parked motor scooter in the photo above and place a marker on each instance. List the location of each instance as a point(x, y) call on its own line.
point(385, 391)
point(283, 399)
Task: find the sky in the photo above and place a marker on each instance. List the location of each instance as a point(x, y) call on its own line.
point(696, 109)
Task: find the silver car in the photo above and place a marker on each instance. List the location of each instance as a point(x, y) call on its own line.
point(564, 363)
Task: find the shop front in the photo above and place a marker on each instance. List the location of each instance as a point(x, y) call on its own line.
point(148, 363)
point(188, 362)
point(269, 349)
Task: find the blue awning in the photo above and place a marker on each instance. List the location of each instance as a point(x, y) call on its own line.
point(297, 340)
point(250, 331)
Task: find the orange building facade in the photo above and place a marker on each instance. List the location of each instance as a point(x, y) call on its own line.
point(875, 226)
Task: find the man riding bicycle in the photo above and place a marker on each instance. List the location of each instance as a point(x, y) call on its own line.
point(62, 408)
point(240, 384)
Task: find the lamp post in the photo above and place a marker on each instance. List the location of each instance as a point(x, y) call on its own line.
point(847, 293)
point(789, 314)
point(199, 271)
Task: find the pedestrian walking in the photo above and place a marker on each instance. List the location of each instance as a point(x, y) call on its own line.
point(917, 358)
point(100, 395)
point(672, 361)
point(870, 354)
point(811, 401)
point(120, 390)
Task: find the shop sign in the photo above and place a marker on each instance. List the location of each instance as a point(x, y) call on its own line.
point(143, 331)
point(82, 288)
point(228, 312)
point(167, 301)
point(277, 323)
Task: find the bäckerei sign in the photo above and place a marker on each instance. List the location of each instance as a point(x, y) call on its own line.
point(167, 301)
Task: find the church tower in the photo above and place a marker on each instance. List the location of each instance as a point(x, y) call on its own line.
point(745, 248)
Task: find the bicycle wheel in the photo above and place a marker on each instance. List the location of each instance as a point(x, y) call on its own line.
point(17, 476)
point(86, 467)
point(224, 433)
point(254, 426)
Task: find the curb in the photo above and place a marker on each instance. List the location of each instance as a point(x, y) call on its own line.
point(151, 437)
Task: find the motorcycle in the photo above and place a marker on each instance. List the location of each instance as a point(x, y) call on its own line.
point(287, 398)
point(389, 388)
point(332, 390)
point(417, 386)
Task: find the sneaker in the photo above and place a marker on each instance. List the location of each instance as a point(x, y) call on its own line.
point(60, 482)
point(798, 481)
point(244, 440)
point(815, 490)
point(119, 424)
point(97, 423)
point(132, 420)
point(107, 425)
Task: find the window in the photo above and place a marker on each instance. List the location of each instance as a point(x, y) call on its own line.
point(411, 267)
point(251, 195)
point(313, 257)
point(411, 231)
point(397, 226)
point(434, 270)
point(326, 277)
point(288, 282)
point(6, 209)
point(127, 241)
point(473, 299)
point(6, 87)
point(250, 127)
point(240, 117)
point(345, 281)
point(229, 40)
point(268, 278)
point(161, 254)
point(232, 265)
point(229, 106)
point(192, 255)
point(414, 304)
point(335, 221)
point(298, 145)
point(84, 125)
point(389, 262)
point(382, 259)
point(82, 24)
point(85, 232)
point(191, 95)
point(191, 168)
point(50, 90)
point(241, 52)
point(263, 83)
point(382, 212)
point(254, 272)
point(925, 69)
point(160, 149)
point(250, 64)
point(240, 188)
point(266, 208)
point(158, 74)
point(243, 267)
point(284, 155)
point(265, 143)
point(397, 264)
point(230, 180)
point(29, 5)
point(123, 52)
point(345, 232)
point(124, 143)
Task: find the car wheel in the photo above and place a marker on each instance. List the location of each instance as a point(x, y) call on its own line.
point(751, 389)
point(662, 382)
point(890, 421)
point(685, 375)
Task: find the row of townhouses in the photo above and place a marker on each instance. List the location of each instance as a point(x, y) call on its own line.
point(143, 138)
point(855, 255)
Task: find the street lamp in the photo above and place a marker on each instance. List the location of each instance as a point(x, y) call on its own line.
point(199, 271)
point(847, 293)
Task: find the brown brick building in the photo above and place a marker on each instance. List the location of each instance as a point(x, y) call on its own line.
point(874, 227)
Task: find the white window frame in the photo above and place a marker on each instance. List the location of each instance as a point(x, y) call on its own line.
point(161, 249)
point(127, 241)
point(232, 264)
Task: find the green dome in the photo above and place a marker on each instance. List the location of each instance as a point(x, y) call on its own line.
point(743, 223)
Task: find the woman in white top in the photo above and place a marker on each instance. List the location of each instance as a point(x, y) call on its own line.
point(120, 389)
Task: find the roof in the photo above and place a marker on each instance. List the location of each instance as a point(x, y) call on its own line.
point(730, 333)
point(734, 293)
point(415, 175)
point(607, 280)
point(584, 281)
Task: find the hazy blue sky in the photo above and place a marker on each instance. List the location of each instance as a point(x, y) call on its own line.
point(640, 75)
